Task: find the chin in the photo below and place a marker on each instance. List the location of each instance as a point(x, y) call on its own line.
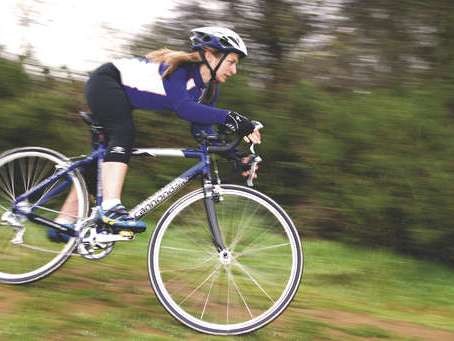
point(222, 79)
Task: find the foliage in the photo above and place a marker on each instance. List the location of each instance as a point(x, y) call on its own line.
point(359, 151)
point(13, 79)
point(379, 162)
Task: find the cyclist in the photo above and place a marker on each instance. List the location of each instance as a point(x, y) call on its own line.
point(184, 82)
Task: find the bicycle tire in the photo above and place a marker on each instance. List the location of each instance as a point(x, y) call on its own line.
point(36, 256)
point(213, 298)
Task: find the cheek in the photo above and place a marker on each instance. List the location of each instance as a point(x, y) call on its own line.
point(223, 68)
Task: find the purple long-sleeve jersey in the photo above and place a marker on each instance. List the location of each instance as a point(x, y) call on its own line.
point(180, 92)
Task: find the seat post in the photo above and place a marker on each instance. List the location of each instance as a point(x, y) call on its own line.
point(96, 129)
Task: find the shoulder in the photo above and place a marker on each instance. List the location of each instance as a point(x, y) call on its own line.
point(134, 63)
point(182, 71)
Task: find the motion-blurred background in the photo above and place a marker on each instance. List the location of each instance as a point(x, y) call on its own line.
point(357, 99)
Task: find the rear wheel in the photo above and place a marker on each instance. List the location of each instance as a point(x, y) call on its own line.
point(26, 252)
point(232, 291)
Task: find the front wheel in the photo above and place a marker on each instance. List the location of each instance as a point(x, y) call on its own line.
point(232, 291)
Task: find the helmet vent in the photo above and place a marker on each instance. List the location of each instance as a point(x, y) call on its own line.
point(225, 41)
point(232, 38)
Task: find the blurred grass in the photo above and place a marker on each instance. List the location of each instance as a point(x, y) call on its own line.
point(346, 293)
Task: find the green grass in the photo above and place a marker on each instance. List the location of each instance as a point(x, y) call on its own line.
point(346, 293)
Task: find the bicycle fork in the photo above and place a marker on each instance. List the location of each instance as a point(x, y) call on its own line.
point(212, 195)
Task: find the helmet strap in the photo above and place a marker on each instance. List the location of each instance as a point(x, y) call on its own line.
point(209, 93)
point(205, 61)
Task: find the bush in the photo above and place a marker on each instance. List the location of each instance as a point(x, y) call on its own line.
point(13, 79)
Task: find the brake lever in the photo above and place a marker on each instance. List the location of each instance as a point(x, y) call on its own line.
point(255, 160)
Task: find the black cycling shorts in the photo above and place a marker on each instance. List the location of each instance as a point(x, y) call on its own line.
point(109, 103)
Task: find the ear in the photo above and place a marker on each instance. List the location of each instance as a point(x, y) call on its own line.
point(209, 55)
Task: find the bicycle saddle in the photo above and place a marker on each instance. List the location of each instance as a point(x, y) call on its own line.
point(97, 130)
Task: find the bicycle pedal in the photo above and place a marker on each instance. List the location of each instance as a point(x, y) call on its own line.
point(126, 234)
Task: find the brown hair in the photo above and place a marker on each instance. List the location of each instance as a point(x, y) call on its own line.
point(173, 58)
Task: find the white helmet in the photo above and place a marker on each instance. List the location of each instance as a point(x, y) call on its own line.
point(219, 38)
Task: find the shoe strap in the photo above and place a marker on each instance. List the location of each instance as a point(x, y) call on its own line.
point(118, 211)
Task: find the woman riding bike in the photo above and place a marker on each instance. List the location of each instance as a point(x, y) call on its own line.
point(184, 82)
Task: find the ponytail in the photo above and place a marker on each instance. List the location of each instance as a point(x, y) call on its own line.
point(173, 58)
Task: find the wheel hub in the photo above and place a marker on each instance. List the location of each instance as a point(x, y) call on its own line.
point(225, 257)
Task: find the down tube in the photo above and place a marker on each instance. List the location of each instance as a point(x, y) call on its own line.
point(166, 192)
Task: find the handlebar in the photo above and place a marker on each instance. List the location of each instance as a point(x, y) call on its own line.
point(226, 147)
point(236, 141)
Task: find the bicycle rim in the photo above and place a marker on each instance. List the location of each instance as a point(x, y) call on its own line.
point(226, 294)
point(31, 256)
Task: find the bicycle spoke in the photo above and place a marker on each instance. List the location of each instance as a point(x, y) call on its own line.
point(228, 297)
point(248, 274)
point(198, 249)
point(42, 173)
point(25, 170)
point(40, 249)
point(242, 231)
point(257, 237)
point(54, 211)
point(47, 190)
point(30, 173)
point(239, 230)
point(208, 296)
point(202, 264)
point(6, 186)
point(201, 284)
point(8, 196)
point(198, 245)
point(260, 249)
point(239, 293)
point(203, 244)
point(179, 249)
point(11, 179)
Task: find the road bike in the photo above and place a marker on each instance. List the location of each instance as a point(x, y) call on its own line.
point(223, 259)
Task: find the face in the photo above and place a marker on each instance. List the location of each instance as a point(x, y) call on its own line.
point(228, 67)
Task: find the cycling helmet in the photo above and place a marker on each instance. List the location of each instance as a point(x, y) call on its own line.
point(219, 38)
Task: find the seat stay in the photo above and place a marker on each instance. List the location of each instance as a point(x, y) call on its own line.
point(63, 172)
point(59, 174)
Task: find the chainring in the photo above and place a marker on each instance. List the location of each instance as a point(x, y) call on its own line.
point(89, 248)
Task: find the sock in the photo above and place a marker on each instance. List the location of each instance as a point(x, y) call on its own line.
point(65, 220)
point(109, 203)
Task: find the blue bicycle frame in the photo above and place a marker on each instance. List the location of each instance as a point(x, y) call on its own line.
point(203, 168)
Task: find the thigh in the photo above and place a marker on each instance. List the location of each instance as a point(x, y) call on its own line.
point(108, 102)
point(110, 105)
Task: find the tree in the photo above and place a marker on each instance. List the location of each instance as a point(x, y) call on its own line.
point(273, 30)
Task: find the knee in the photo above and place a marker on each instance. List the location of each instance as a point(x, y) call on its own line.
point(121, 142)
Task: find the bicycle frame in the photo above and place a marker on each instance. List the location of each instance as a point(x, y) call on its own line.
point(203, 167)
